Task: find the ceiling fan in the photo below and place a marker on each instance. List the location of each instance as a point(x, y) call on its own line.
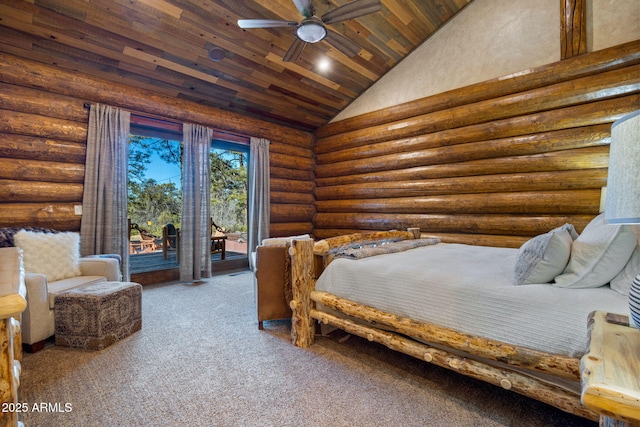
point(313, 29)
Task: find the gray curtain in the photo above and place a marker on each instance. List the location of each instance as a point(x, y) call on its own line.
point(259, 199)
point(104, 227)
point(195, 236)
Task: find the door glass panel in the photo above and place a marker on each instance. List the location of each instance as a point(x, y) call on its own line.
point(229, 165)
point(154, 200)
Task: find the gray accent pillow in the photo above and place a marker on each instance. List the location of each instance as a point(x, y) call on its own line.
point(545, 256)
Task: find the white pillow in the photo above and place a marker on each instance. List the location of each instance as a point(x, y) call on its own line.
point(56, 255)
point(622, 282)
point(545, 256)
point(597, 255)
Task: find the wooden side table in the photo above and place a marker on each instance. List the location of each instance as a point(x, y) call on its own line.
point(611, 370)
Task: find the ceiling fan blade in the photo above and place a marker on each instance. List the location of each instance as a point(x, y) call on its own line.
point(304, 7)
point(265, 23)
point(294, 51)
point(351, 10)
point(342, 43)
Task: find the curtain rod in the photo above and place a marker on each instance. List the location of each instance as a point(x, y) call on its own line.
point(162, 119)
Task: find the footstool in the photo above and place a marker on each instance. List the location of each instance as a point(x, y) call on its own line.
point(95, 316)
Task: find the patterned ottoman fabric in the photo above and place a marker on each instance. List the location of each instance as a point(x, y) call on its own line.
point(95, 316)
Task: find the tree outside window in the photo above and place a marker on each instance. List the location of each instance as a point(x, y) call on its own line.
point(154, 202)
point(229, 189)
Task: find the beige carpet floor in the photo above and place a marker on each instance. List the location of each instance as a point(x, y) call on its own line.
point(200, 360)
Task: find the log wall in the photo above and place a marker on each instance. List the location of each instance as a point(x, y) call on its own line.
point(43, 135)
point(493, 163)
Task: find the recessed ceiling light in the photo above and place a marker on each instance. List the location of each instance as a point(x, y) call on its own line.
point(324, 64)
point(216, 54)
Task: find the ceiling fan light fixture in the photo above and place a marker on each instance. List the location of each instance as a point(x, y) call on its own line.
point(311, 30)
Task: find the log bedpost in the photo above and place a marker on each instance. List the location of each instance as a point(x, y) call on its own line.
point(573, 24)
point(302, 283)
point(415, 231)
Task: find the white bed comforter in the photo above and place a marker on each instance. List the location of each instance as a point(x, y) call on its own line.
point(470, 289)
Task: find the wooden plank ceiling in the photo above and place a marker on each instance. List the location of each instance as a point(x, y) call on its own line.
point(163, 46)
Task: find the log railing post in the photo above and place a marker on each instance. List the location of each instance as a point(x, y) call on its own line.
point(302, 283)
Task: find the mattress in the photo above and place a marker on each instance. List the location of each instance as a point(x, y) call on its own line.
point(470, 289)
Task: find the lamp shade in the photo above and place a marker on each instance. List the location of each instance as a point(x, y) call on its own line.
point(622, 204)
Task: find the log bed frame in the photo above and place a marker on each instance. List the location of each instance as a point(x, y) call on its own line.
point(309, 258)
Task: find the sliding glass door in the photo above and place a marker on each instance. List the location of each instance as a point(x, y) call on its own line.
point(229, 165)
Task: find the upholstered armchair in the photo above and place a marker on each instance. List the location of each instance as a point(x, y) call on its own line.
point(53, 265)
point(272, 269)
